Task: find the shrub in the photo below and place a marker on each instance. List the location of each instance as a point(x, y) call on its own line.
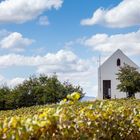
point(99, 120)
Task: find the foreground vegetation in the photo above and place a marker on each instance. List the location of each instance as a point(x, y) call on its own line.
point(99, 120)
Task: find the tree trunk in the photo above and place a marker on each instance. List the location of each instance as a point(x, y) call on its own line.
point(131, 95)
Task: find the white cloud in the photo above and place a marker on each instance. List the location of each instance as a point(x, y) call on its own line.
point(1, 78)
point(123, 15)
point(87, 80)
point(129, 43)
point(19, 11)
point(15, 81)
point(62, 61)
point(65, 63)
point(15, 41)
point(10, 82)
point(43, 20)
point(3, 33)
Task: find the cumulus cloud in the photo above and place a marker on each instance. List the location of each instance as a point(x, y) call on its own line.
point(75, 66)
point(123, 15)
point(105, 43)
point(62, 61)
point(15, 81)
point(43, 20)
point(20, 11)
point(66, 64)
point(2, 78)
point(87, 80)
point(10, 82)
point(15, 41)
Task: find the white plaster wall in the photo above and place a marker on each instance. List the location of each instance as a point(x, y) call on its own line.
point(108, 71)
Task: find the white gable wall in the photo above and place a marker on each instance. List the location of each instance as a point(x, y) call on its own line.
point(108, 71)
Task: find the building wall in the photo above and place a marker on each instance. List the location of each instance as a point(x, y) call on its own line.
point(108, 71)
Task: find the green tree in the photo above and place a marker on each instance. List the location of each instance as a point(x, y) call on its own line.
point(5, 98)
point(129, 79)
point(36, 91)
point(69, 88)
point(42, 90)
point(29, 92)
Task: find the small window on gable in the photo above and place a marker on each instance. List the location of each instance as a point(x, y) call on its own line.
point(118, 62)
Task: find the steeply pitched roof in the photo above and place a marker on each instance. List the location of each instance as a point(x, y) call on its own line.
point(118, 52)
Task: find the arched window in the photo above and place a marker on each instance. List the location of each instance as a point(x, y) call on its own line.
point(118, 62)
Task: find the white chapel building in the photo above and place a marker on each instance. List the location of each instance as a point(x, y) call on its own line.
point(107, 82)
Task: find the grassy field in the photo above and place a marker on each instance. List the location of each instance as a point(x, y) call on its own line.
point(99, 120)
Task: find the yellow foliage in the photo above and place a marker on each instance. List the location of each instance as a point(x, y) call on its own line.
point(115, 119)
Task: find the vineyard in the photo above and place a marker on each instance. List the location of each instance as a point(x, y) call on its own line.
point(70, 119)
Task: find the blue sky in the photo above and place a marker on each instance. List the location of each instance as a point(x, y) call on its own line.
point(66, 37)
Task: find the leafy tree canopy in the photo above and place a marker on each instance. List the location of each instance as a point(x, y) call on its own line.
point(37, 91)
point(129, 78)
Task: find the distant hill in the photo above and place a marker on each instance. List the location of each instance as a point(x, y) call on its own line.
point(87, 98)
